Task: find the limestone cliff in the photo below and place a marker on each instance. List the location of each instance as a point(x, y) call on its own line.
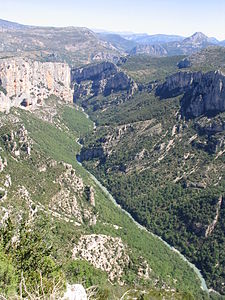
point(103, 78)
point(28, 83)
point(204, 93)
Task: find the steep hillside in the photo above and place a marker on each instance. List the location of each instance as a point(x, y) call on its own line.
point(163, 160)
point(209, 59)
point(74, 45)
point(58, 225)
point(152, 50)
point(101, 79)
point(153, 39)
point(117, 41)
point(203, 93)
point(4, 24)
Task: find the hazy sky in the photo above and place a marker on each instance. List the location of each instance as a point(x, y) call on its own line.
point(150, 16)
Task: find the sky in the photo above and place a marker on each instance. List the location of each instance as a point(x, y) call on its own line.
point(182, 17)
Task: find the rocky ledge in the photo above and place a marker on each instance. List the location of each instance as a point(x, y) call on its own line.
point(204, 93)
point(28, 83)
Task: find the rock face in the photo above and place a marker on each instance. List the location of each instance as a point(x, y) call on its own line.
point(184, 63)
point(204, 94)
point(92, 72)
point(91, 153)
point(27, 83)
point(18, 143)
point(103, 78)
point(212, 226)
point(177, 84)
point(90, 194)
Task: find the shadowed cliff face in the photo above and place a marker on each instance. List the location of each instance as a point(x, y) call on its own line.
point(103, 78)
point(204, 94)
point(92, 72)
point(28, 83)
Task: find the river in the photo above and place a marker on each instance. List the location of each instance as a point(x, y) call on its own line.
point(107, 193)
point(104, 189)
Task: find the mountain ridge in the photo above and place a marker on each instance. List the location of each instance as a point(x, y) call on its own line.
point(111, 46)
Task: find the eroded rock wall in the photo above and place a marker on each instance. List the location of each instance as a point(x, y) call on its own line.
point(29, 83)
point(103, 78)
point(204, 93)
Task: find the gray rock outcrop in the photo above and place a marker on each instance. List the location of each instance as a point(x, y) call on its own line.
point(177, 84)
point(204, 93)
point(197, 39)
point(28, 83)
point(103, 78)
point(92, 72)
point(90, 194)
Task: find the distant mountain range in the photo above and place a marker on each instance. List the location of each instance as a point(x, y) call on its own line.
point(11, 25)
point(153, 39)
point(78, 46)
point(74, 45)
point(166, 45)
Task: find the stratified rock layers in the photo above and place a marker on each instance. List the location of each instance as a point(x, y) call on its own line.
point(29, 83)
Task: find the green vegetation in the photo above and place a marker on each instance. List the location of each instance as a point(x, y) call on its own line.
point(47, 247)
point(145, 69)
point(81, 271)
point(28, 264)
point(209, 59)
point(8, 278)
point(76, 121)
point(142, 106)
point(169, 182)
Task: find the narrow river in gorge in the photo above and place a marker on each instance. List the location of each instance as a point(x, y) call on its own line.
point(107, 193)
